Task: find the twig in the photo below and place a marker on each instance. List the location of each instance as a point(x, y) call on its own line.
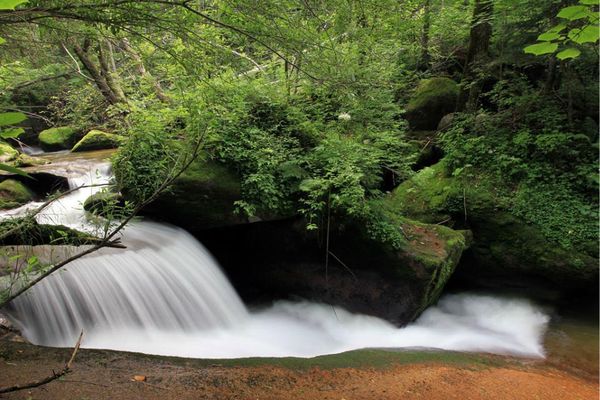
point(76, 63)
point(344, 265)
point(444, 221)
point(465, 202)
point(49, 378)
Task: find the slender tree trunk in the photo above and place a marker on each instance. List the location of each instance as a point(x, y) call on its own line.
point(106, 69)
point(477, 54)
point(550, 75)
point(143, 72)
point(425, 59)
point(95, 73)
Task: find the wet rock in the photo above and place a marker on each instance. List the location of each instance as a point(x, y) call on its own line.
point(98, 140)
point(58, 138)
point(14, 194)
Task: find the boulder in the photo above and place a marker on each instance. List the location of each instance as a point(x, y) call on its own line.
point(98, 140)
point(446, 122)
point(202, 197)
point(104, 203)
point(14, 194)
point(58, 138)
point(434, 98)
point(506, 250)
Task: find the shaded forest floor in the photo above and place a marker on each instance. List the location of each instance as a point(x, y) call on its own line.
point(364, 374)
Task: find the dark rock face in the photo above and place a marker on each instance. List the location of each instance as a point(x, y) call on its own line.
point(280, 259)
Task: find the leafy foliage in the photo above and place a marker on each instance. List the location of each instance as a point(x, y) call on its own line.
point(546, 170)
point(580, 26)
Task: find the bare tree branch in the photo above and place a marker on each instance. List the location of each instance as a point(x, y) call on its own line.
point(49, 378)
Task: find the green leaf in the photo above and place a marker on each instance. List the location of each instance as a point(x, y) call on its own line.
point(13, 170)
point(11, 133)
point(589, 34)
point(541, 48)
point(568, 53)
point(548, 36)
point(10, 4)
point(558, 28)
point(590, 2)
point(2, 41)
point(573, 13)
point(11, 118)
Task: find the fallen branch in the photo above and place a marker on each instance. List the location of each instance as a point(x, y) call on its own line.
point(48, 379)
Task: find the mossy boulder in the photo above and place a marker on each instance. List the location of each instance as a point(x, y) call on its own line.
point(58, 138)
point(14, 194)
point(506, 249)
point(433, 98)
point(7, 153)
point(105, 204)
point(27, 232)
point(202, 197)
point(98, 140)
point(24, 160)
point(424, 261)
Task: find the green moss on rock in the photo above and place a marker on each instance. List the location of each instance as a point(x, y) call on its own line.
point(424, 261)
point(98, 140)
point(26, 231)
point(14, 194)
point(434, 98)
point(105, 204)
point(58, 138)
point(202, 197)
point(505, 247)
point(7, 153)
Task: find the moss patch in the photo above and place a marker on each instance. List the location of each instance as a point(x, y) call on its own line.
point(7, 153)
point(202, 197)
point(14, 194)
point(26, 231)
point(98, 140)
point(503, 244)
point(59, 138)
point(433, 99)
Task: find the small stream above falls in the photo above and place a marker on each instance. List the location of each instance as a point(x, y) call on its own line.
point(165, 294)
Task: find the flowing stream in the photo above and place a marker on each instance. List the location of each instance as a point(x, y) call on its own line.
point(165, 294)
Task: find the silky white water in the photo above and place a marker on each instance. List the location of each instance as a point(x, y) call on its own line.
point(166, 295)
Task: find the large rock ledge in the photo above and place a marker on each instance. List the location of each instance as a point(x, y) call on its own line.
point(276, 257)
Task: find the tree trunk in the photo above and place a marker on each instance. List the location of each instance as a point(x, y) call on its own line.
point(143, 72)
point(108, 74)
point(95, 73)
point(477, 54)
point(425, 59)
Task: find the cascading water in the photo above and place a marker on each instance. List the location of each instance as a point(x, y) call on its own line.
point(165, 294)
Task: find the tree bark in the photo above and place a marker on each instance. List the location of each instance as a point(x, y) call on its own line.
point(108, 74)
point(424, 61)
point(95, 73)
point(478, 52)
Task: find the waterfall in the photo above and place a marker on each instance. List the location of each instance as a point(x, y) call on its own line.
point(165, 294)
